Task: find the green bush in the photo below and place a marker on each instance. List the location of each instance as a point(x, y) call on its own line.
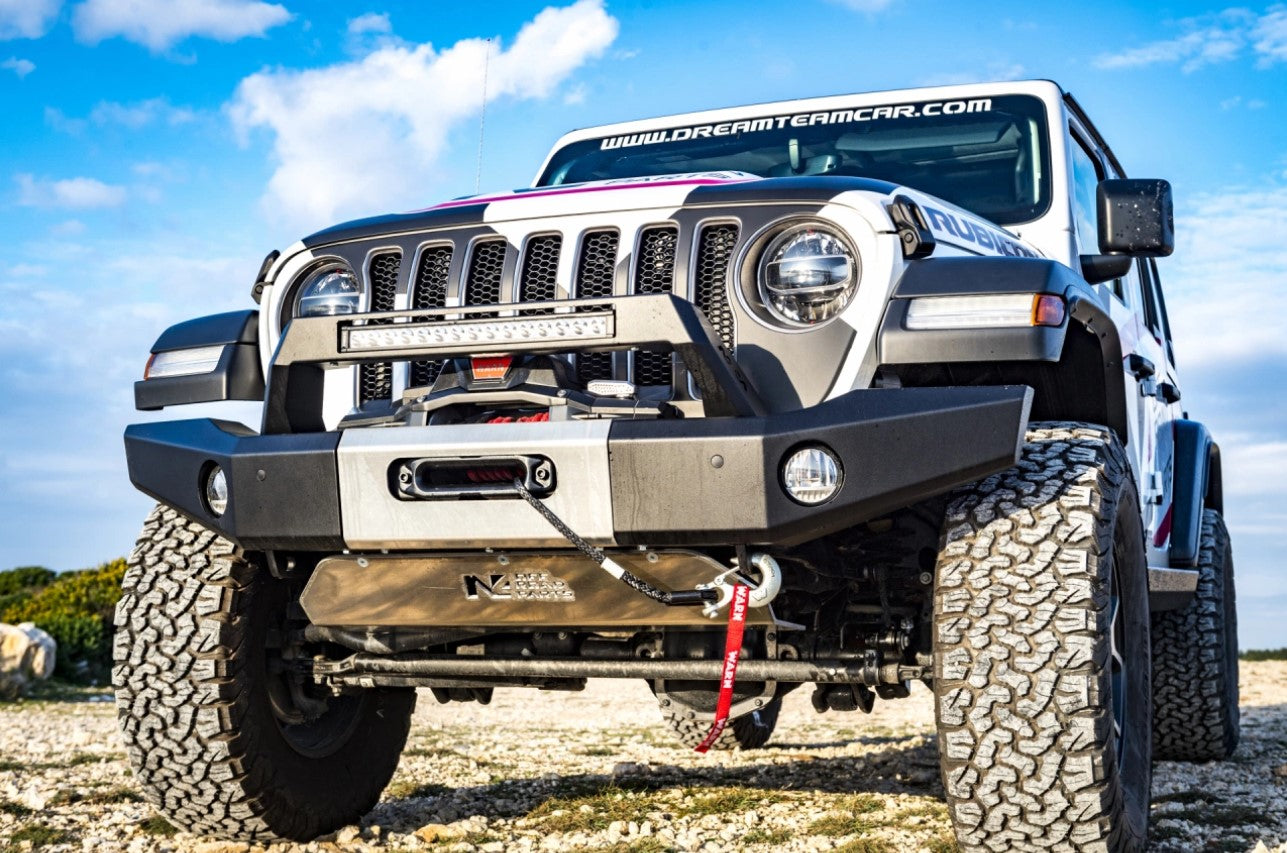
point(1265, 654)
point(24, 578)
point(76, 609)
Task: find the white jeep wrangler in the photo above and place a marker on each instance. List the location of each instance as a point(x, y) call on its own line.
point(845, 392)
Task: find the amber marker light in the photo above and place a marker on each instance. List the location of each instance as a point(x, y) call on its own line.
point(1048, 310)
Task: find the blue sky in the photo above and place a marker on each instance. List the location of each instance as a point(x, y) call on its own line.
point(154, 150)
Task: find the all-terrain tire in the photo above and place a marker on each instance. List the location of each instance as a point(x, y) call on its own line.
point(195, 696)
point(1195, 660)
point(1041, 579)
point(749, 731)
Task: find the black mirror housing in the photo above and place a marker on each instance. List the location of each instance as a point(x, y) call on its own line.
point(1136, 217)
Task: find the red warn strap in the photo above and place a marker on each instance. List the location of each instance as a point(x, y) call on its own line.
point(732, 652)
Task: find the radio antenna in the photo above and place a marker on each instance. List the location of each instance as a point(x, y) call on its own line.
point(482, 119)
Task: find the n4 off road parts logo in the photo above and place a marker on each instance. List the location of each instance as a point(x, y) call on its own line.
point(517, 586)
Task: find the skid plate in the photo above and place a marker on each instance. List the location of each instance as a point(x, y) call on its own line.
point(518, 590)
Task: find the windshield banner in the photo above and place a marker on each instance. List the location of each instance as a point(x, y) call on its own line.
point(755, 125)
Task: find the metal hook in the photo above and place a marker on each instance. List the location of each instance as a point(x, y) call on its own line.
point(762, 594)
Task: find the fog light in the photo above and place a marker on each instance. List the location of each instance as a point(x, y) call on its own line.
point(216, 491)
point(811, 475)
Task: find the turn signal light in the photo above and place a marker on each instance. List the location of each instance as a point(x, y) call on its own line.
point(1048, 310)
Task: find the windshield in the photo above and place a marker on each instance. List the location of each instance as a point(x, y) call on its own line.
point(987, 155)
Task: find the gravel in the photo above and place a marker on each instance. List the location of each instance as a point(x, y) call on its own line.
point(596, 770)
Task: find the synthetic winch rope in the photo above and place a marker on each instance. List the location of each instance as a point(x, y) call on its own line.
point(678, 597)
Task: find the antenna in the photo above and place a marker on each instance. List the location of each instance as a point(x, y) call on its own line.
point(482, 119)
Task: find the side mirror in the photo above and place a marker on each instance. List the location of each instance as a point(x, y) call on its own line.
point(1136, 217)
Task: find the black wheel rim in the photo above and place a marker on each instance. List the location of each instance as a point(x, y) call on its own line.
point(327, 733)
point(312, 721)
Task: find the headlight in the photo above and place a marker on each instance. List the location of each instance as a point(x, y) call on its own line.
point(331, 290)
point(808, 274)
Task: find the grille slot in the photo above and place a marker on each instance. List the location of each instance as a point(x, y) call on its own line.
point(430, 292)
point(375, 381)
point(595, 272)
point(539, 280)
point(710, 289)
point(655, 273)
point(486, 272)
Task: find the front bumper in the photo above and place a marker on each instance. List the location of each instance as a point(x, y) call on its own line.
point(622, 482)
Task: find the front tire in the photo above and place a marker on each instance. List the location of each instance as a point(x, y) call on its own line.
point(1195, 661)
point(1041, 652)
point(749, 731)
point(220, 738)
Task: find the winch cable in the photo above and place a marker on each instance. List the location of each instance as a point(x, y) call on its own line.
point(679, 597)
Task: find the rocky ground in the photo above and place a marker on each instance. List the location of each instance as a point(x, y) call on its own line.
point(596, 771)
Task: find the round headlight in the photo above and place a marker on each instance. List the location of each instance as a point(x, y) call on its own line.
point(807, 275)
point(328, 291)
point(811, 475)
point(216, 491)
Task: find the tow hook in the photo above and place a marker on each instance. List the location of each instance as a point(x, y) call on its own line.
point(762, 594)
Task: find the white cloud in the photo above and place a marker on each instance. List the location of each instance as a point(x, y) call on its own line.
point(1253, 468)
point(370, 32)
point(1210, 39)
point(134, 116)
point(68, 192)
point(1224, 272)
point(29, 19)
point(364, 136)
point(160, 24)
point(1270, 34)
point(141, 113)
point(21, 67)
point(68, 228)
point(370, 23)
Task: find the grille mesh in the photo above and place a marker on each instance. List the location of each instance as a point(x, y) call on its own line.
point(655, 273)
point(430, 292)
point(540, 269)
point(714, 252)
point(595, 271)
point(486, 271)
point(598, 263)
point(375, 381)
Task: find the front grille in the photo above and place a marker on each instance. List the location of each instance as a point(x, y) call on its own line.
point(486, 273)
point(430, 292)
point(493, 272)
point(595, 273)
point(375, 381)
point(539, 281)
point(710, 288)
point(655, 273)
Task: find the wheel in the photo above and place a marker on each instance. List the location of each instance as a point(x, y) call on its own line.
point(223, 739)
point(1041, 652)
point(749, 731)
point(1195, 661)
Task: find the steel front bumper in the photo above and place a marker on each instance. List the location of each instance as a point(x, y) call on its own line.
point(697, 481)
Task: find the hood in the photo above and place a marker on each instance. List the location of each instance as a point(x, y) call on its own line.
point(663, 191)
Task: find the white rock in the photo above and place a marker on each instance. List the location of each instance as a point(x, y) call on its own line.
point(26, 655)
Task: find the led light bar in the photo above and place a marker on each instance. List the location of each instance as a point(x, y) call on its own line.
point(183, 362)
point(558, 327)
point(999, 311)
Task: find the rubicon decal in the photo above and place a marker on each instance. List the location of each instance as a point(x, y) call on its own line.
point(755, 125)
point(959, 230)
